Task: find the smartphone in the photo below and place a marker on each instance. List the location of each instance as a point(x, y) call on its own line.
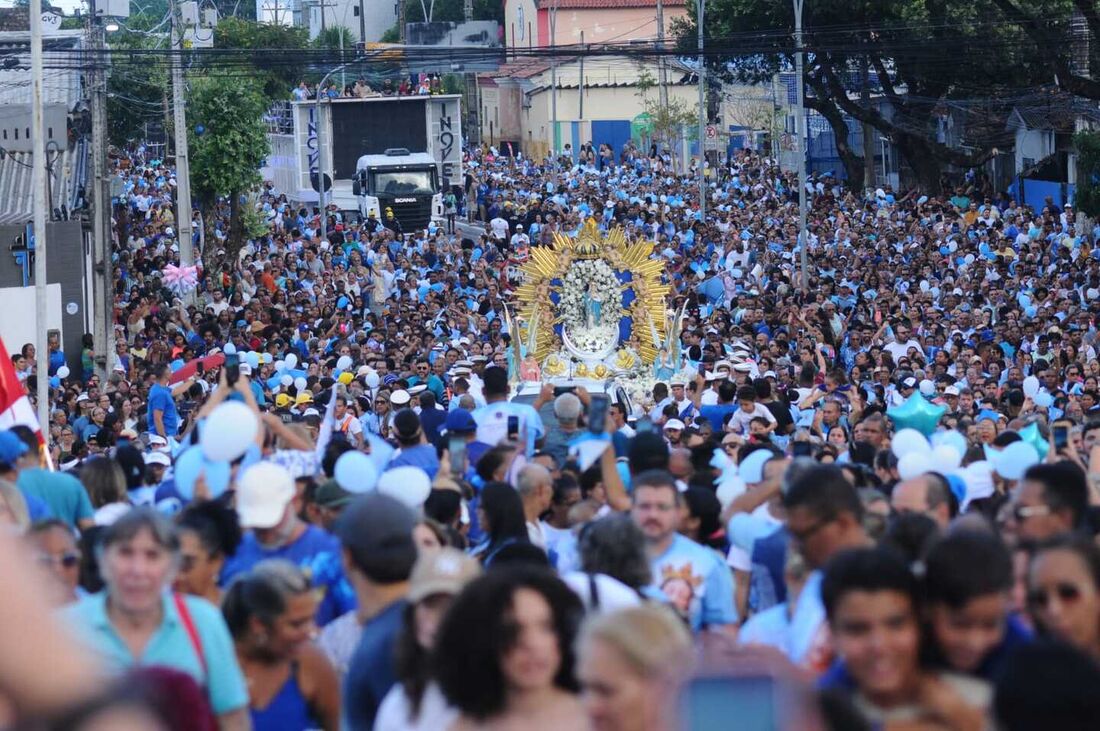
point(513, 428)
point(456, 450)
point(709, 702)
point(597, 412)
point(1061, 436)
point(802, 449)
point(232, 368)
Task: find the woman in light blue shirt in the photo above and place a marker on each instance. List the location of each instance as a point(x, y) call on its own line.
point(136, 620)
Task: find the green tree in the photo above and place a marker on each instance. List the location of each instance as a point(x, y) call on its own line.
point(665, 123)
point(279, 76)
point(418, 11)
point(138, 83)
point(226, 156)
point(917, 56)
point(1087, 197)
point(335, 37)
point(1064, 36)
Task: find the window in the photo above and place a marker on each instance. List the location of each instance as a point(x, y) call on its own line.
point(355, 11)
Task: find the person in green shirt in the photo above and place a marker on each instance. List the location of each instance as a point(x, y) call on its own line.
point(136, 620)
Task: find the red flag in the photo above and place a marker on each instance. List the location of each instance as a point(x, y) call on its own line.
point(15, 407)
point(195, 365)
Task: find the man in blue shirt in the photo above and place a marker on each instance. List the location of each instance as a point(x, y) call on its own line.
point(375, 533)
point(414, 450)
point(694, 579)
point(164, 420)
point(267, 504)
point(15, 457)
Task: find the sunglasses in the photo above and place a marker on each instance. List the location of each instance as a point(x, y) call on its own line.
point(1040, 598)
point(1023, 512)
point(68, 560)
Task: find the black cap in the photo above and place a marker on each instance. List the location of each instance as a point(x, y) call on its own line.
point(406, 423)
point(132, 463)
point(376, 530)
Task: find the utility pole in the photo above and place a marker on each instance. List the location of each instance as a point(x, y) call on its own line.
point(103, 331)
point(700, 8)
point(800, 132)
point(553, 79)
point(183, 167)
point(580, 84)
point(662, 70)
point(38, 181)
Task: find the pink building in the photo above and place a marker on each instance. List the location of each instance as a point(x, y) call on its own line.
point(527, 22)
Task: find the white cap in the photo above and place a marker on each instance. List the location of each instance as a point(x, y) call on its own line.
point(950, 391)
point(157, 458)
point(417, 389)
point(400, 397)
point(246, 370)
point(674, 424)
point(411, 485)
point(263, 492)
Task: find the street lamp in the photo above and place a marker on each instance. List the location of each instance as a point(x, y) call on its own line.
point(800, 133)
point(702, 116)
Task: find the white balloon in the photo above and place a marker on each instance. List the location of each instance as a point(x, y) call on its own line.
point(927, 388)
point(280, 366)
point(1043, 399)
point(291, 360)
point(63, 372)
point(913, 464)
point(951, 438)
point(945, 459)
point(300, 383)
point(228, 432)
point(229, 349)
point(924, 286)
point(1031, 386)
point(344, 362)
point(287, 380)
point(909, 441)
point(355, 472)
point(372, 380)
point(1014, 460)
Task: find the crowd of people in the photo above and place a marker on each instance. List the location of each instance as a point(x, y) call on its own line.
point(304, 496)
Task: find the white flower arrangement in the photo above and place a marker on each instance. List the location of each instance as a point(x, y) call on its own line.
point(594, 339)
point(574, 293)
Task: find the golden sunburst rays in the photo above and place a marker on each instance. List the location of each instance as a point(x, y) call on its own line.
point(548, 264)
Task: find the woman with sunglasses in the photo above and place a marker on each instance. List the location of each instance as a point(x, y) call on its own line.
point(56, 550)
point(1063, 592)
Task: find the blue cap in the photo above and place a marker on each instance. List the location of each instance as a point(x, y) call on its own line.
point(11, 447)
point(460, 421)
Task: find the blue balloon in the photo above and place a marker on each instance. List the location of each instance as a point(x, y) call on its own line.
point(190, 465)
point(176, 365)
point(1043, 400)
point(917, 413)
point(1031, 435)
point(380, 451)
point(253, 359)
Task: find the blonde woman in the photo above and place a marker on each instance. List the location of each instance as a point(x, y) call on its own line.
point(630, 664)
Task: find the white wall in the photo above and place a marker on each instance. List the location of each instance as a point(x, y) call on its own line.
point(23, 328)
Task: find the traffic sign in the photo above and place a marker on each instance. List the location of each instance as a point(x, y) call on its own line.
point(712, 132)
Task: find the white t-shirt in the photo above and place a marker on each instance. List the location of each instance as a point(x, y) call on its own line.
point(739, 422)
point(435, 712)
point(499, 227)
point(899, 350)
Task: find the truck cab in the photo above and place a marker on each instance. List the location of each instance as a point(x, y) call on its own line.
point(407, 183)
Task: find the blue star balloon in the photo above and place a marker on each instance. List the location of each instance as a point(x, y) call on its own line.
point(917, 413)
point(1035, 438)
